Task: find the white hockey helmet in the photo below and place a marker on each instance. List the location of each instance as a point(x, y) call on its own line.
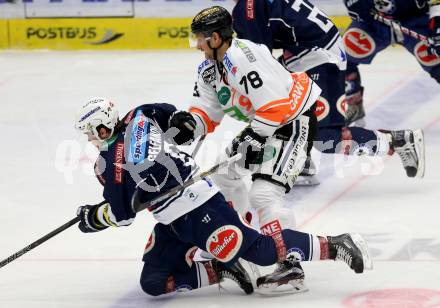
point(96, 112)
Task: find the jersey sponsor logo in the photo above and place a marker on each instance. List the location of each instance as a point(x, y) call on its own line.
point(150, 243)
point(138, 138)
point(155, 143)
point(297, 253)
point(423, 56)
point(208, 75)
point(250, 12)
point(225, 242)
point(273, 227)
point(385, 6)
point(224, 95)
point(189, 255)
point(202, 65)
point(341, 104)
point(227, 62)
point(322, 108)
point(247, 52)
point(358, 43)
point(119, 159)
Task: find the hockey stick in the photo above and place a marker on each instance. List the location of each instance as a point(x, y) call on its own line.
point(137, 206)
point(39, 241)
point(391, 23)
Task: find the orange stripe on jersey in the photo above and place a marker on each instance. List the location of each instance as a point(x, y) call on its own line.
point(279, 111)
point(210, 124)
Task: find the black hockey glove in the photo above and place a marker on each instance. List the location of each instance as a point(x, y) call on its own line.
point(250, 145)
point(434, 27)
point(185, 123)
point(88, 222)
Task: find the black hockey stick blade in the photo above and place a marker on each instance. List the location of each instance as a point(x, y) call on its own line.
point(39, 241)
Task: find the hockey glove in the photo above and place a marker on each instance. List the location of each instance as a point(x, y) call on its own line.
point(89, 222)
point(185, 124)
point(434, 27)
point(250, 145)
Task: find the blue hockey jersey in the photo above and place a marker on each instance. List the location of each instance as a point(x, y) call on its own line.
point(397, 9)
point(306, 35)
point(139, 158)
point(295, 25)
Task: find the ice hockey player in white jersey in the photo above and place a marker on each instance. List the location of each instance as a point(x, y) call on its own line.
point(243, 80)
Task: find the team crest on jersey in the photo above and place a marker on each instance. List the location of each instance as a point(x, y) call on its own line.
point(358, 43)
point(340, 105)
point(322, 108)
point(385, 6)
point(422, 55)
point(150, 243)
point(225, 242)
point(297, 253)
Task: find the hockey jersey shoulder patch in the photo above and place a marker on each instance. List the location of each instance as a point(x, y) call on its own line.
point(206, 71)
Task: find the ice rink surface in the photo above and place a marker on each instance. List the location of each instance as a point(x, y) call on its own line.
point(46, 173)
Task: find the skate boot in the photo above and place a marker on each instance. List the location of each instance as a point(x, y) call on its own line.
point(288, 277)
point(235, 272)
point(307, 177)
point(352, 249)
point(410, 146)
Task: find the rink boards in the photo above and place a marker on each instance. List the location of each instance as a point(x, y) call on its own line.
point(102, 33)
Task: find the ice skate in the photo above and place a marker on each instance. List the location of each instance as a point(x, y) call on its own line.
point(288, 277)
point(235, 272)
point(410, 146)
point(307, 177)
point(352, 249)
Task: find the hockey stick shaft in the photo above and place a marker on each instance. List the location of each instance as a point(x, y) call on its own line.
point(137, 206)
point(39, 241)
point(391, 23)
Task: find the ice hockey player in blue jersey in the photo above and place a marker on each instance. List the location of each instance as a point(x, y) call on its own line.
point(137, 160)
point(311, 43)
point(366, 36)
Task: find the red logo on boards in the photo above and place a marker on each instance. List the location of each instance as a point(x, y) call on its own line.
point(225, 242)
point(424, 57)
point(340, 104)
point(322, 108)
point(358, 43)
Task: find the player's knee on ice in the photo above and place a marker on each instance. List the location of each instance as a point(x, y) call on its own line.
point(153, 282)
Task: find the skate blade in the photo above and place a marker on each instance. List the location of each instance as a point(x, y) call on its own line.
point(307, 181)
point(419, 145)
point(363, 247)
point(273, 289)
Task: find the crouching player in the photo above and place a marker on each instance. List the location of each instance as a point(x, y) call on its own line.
point(137, 163)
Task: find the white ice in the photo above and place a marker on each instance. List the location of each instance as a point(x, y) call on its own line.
point(46, 173)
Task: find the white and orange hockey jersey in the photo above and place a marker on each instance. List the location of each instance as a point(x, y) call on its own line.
point(253, 87)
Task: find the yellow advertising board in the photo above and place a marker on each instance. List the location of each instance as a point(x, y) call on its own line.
point(101, 33)
point(4, 34)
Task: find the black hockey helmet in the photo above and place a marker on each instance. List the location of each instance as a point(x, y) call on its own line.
point(213, 19)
